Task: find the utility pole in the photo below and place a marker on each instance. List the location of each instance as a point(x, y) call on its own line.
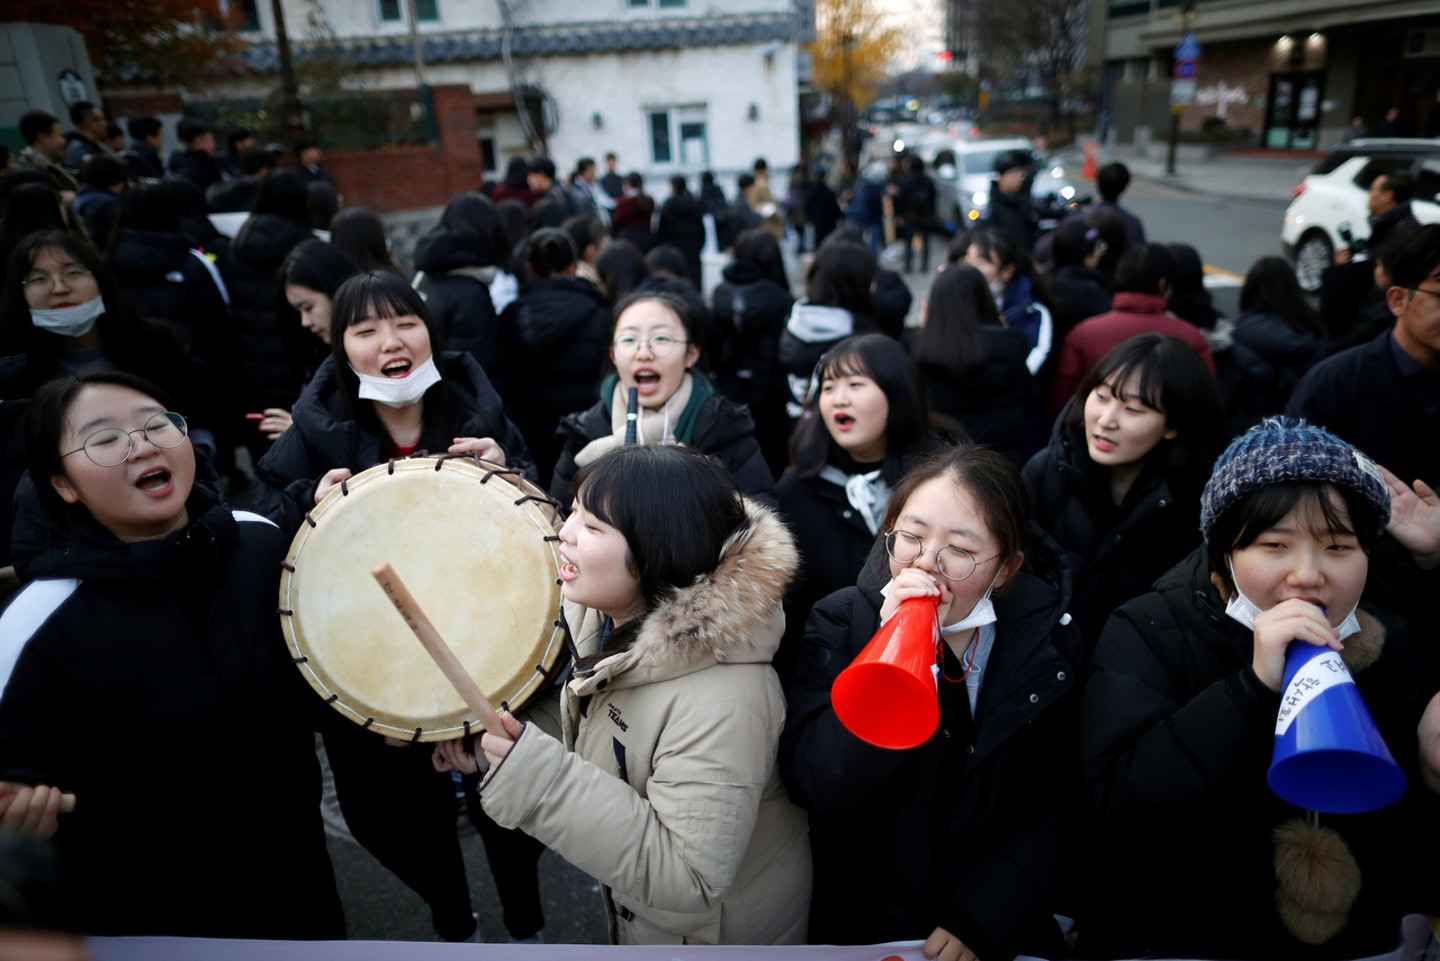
point(417, 52)
point(1182, 87)
point(289, 90)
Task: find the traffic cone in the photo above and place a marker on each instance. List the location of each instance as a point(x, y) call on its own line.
point(1329, 756)
point(888, 696)
point(1092, 161)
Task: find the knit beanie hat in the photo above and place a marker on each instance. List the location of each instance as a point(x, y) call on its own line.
point(1282, 449)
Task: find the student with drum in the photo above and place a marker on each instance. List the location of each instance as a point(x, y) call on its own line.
point(960, 841)
point(143, 671)
point(664, 786)
point(386, 392)
point(1200, 857)
point(654, 344)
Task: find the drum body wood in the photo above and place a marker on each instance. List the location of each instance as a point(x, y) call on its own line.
point(477, 548)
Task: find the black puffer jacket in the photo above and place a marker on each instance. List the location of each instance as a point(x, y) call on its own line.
point(1177, 736)
point(175, 644)
point(892, 299)
point(160, 273)
point(196, 166)
point(557, 339)
point(723, 431)
point(1077, 293)
point(992, 400)
point(457, 295)
point(1270, 358)
point(322, 437)
point(271, 375)
point(749, 313)
point(1114, 553)
point(966, 832)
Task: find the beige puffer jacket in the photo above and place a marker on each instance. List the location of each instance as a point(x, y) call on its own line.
point(665, 788)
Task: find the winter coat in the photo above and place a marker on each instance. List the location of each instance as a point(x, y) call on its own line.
point(198, 807)
point(1115, 553)
point(1092, 339)
point(143, 161)
point(664, 787)
point(232, 196)
point(78, 149)
point(1077, 292)
point(1268, 357)
point(457, 296)
point(992, 399)
point(681, 225)
point(1020, 310)
point(967, 831)
point(321, 437)
point(631, 221)
point(557, 341)
point(1177, 736)
point(196, 166)
point(723, 431)
point(272, 375)
point(165, 277)
point(748, 316)
point(1014, 214)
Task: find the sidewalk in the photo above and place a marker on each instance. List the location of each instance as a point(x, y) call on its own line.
point(1240, 175)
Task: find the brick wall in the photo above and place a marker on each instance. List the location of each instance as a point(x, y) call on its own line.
point(1235, 77)
point(415, 177)
point(127, 104)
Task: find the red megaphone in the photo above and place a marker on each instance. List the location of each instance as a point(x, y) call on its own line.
point(888, 697)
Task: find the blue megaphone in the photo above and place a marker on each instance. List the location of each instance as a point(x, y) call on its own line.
point(1329, 756)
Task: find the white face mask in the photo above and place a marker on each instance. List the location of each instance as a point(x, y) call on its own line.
point(399, 391)
point(981, 614)
point(69, 321)
point(1244, 611)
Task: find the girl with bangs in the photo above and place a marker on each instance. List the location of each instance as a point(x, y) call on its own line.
point(386, 391)
point(1118, 487)
point(1179, 722)
point(865, 423)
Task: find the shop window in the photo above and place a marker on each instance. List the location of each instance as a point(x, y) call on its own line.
point(680, 136)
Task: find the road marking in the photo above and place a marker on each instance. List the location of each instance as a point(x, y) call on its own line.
point(1215, 277)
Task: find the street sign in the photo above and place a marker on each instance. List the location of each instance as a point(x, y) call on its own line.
point(1188, 48)
point(1186, 69)
point(1182, 93)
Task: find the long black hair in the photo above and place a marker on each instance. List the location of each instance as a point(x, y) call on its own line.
point(841, 275)
point(907, 430)
point(760, 249)
point(960, 304)
point(1271, 287)
point(361, 235)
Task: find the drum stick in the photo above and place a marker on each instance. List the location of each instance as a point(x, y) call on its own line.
point(632, 415)
point(444, 657)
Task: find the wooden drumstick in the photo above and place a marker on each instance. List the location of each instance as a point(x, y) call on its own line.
point(444, 657)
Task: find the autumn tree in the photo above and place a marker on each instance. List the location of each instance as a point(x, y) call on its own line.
point(160, 40)
point(852, 51)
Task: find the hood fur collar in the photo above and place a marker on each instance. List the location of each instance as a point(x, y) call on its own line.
point(731, 614)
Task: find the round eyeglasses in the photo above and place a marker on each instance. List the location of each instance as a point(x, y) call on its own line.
point(42, 283)
point(954, 563)
point(661, 346)
point(113, 446)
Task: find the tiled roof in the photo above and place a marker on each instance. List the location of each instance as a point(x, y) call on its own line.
point(567, 39)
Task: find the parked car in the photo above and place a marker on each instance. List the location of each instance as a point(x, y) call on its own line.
point(1330, 202)
point(963, 170)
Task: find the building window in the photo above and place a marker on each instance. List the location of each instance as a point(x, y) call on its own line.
point(246, 14)
point(678, 136)
point(393, 11)
point(663, 4)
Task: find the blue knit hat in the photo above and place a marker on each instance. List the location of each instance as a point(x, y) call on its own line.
point(1282, 449)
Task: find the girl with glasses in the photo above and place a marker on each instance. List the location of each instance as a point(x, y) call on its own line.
point(143, 671)
point(388, 390)
point(662, 784)
point(960, 841)
point(62, 311)
point(1118, 487)
point(654, 346)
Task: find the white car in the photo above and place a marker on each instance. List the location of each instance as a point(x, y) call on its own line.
point(1330, 202)
point(963, 170)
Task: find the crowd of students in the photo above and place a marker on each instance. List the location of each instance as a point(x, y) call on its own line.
point(1071, 452)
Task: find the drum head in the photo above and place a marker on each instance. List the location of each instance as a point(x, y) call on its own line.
point(482, 567)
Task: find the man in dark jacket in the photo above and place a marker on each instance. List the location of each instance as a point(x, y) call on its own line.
point(1010, 208)
point(682, 226)
point(44, 146)
point(611, 182)
point(88, 138)
point(915, 209)
point(195, 160)
point(234, 196)
point(554, 205)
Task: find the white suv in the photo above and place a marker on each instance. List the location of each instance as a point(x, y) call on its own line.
point(1333, 195)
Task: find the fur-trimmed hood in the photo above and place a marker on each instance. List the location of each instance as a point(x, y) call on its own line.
point(731, 615)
